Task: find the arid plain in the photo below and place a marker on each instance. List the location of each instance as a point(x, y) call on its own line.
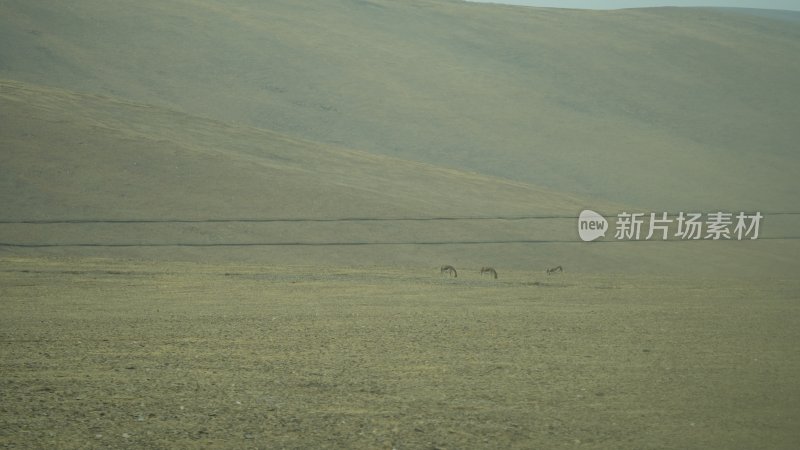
point(222, 224)
point(100, 354)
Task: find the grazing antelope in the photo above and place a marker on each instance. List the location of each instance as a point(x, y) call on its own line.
point(489, 270)
point(449, 270)
point(554, 270)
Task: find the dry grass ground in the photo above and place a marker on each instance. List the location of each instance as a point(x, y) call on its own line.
point(98, 354)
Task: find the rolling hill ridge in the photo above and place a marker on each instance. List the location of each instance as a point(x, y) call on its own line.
point(664, 108)
point(164, 128)
point(97, 176)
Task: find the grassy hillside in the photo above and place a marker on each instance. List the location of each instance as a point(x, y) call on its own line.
point(142, 181)
point(661, 108)
point(83, 157)
point(78, 156)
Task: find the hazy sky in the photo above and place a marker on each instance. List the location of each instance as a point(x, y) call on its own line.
point(613, 4)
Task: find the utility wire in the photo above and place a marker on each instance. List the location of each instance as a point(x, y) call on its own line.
point(312, 219)
point(366, 243)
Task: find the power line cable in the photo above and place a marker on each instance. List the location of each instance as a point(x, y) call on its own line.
point(366, 243)
point(313, 219)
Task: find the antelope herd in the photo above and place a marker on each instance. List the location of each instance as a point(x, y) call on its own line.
point(450, 271)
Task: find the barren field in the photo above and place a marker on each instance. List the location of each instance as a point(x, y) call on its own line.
point(100, 354)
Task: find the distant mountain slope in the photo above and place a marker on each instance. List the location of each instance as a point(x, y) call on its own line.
point(68, 155)
point(664, 108)
point(775, 14)
point(173, 186)
point(78, 157)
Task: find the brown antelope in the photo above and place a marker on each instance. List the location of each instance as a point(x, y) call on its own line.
point(449, 270)
point(554, 270)
point(490, 271)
